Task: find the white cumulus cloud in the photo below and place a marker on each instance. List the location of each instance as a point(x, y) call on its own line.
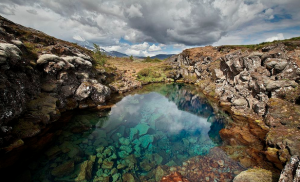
point(154, 48)
point(277, 37)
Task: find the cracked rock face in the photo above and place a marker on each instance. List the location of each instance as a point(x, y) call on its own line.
point(40, 77)
point(249, 85)
point(40, 92)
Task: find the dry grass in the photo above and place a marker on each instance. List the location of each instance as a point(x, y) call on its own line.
point(131, 68)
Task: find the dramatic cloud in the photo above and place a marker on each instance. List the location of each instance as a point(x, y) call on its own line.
point(154, 48)
point(146, 24)
point(278, 37)
point(6, 10)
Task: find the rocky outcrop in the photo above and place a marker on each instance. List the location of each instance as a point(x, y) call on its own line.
point(249, 86)
point(41, 77)
point(283, 139)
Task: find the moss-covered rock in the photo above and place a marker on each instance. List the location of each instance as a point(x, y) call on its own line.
point(254, 175)
point(284, 121)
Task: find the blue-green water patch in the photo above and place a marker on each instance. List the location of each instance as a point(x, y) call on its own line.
point(162, 125)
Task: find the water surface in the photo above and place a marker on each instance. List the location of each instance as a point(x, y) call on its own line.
point(162, 125)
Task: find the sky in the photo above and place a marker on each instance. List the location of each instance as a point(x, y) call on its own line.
point(151, 27)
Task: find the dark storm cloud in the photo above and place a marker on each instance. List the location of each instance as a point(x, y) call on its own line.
point(189, 22)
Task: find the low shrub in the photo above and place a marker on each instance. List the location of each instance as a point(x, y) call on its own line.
point(99, 57)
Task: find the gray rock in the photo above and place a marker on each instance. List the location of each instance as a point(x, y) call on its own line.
point(45, 58)
point(53, 63)
point(291, 171)
point(277, 64)
point(9, 51)
point(245, 76)
point(17, 43)
point(77, 61)
point(252, 62)
point(260, 108)
point(68, 90)
point(272, 85)
point(100, 93)
point(83, 91)
point(83, 56)
point(219, 76)
point(240, 102)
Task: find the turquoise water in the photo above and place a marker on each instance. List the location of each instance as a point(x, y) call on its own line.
point(161, 125)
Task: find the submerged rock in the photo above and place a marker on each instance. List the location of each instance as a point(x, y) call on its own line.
point(63, 169)
point(128, 177)
point(124, 141)
point(174, 177)
point(147, 164)
point(107, 164)
point(254, 175)
point(133, 133)
point(127, 149)
point(123, 154)
point(116, 177)
point(146, 140)
point(142, 128)
point(159, 173)
point(85, 172)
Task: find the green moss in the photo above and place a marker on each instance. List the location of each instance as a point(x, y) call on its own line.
point(32, 54)
point(190, 78)
point(152, 74)
point(149, 60)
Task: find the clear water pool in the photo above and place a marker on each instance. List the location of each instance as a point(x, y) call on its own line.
point(157, 127)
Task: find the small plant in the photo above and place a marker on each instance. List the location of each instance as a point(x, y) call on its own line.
point(131, 58)
point(99, 57)
point(152, 74)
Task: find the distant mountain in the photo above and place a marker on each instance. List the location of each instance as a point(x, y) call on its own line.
point(162, 56)
point(90, 46)
point(116, 54)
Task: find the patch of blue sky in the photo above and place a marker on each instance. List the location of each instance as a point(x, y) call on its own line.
point(278, 18)
point(123, 41)
point(259, 37)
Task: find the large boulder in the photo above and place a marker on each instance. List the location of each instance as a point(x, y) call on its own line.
point(276, 64)
point(9, 52)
